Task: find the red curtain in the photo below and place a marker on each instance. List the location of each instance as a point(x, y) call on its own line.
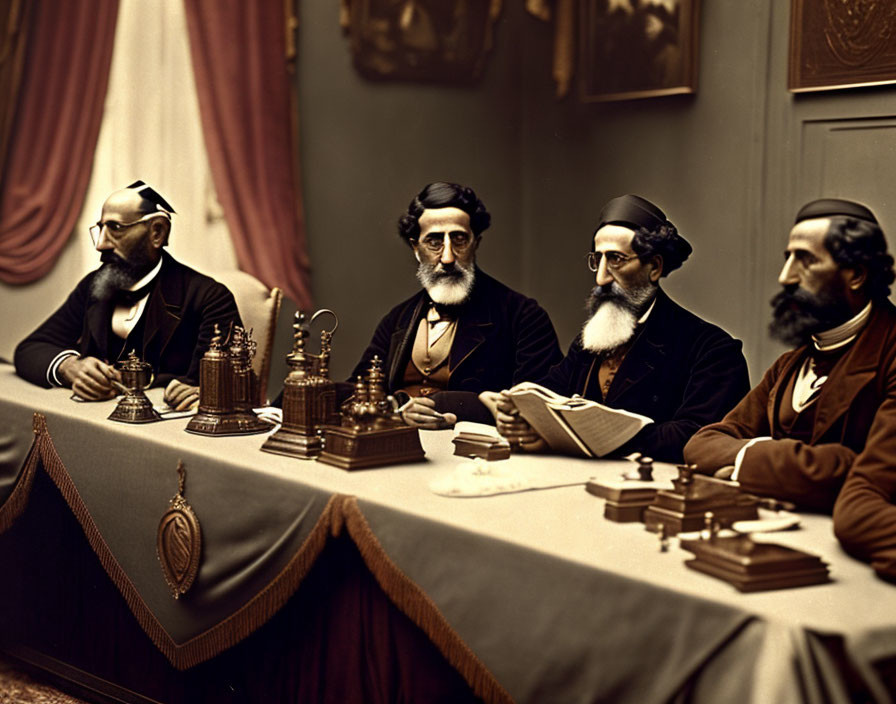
point(245, 95)
point(55, 125)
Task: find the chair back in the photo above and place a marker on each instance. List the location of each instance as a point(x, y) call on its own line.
point(259, 307)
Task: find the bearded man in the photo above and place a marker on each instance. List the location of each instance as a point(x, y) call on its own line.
point(639, 350)
point(140, 299)
point(826, 409)
point(464, 332)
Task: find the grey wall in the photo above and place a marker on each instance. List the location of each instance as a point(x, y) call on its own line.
point(730, 165)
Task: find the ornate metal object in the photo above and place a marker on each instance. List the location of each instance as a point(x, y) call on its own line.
point(372, 432)
point(684, 508)
point(225, 388)
point(309, 397)
point(179, 541)
point(136, 375)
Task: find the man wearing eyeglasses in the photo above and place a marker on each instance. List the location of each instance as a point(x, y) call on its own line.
point(139, 299)
point(464, 332)
point(825, 411)
point(639, 350)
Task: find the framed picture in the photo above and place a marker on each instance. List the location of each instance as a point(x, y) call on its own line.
point(841, 44)
point(638, 48)
point(420, 40)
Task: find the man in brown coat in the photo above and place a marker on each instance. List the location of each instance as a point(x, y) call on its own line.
point(827, 409)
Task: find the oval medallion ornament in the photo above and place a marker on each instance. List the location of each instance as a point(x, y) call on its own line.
point(179, 541)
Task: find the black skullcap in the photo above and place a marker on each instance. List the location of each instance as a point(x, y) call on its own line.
point(833, 207)
point(152, 197)
point(632, 211)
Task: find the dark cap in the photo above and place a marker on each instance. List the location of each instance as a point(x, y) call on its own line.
point(153, 201)
point(834, 207)
point(632, 211)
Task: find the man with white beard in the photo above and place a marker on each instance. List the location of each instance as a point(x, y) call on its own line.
point(639, 350)
point(464, 332)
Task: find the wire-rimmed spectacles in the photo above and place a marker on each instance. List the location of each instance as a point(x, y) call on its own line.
point(116, 230)
point(435, 242)
point(615, 260)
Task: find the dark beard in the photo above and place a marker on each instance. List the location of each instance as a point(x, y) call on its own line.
point(635, 300)
point(118, 274)
point(798, 314)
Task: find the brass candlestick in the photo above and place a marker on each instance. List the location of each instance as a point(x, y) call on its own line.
point(136, 375)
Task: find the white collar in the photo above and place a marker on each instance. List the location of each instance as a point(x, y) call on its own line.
point(643, 318)
point(149, 277)
point(842, 334)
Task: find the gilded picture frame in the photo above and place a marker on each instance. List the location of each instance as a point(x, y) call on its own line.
point(638, 48)
point(837, 44)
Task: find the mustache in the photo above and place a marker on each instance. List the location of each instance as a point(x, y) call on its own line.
point(797, 314)
point(631, 300)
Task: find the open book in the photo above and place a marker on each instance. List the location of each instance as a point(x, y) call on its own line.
point(575, 426)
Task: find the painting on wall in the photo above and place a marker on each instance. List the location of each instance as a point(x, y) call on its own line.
point(841, 44)
point(638, 48)
point(420, 40)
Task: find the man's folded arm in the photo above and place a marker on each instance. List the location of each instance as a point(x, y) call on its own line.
point(865, 519)
point(38, 356)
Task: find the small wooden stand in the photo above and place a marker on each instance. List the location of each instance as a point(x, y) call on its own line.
point(753, 567)
point(683, 508)
point(372, 434)
point(627, 498)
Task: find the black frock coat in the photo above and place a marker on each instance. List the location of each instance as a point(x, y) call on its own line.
point(681, 371)
point(177, 326)
point(502, 338)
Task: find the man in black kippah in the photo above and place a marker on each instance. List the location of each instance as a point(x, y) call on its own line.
point(826, 409)
point(639, 350)
point(140, 299)
point(464, 332)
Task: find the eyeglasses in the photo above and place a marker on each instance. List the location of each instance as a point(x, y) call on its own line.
point(115, 230)
point(615, 260)
point(435, 242)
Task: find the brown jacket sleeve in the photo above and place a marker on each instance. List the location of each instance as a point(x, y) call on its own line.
point(808, 475)
point(865, 514)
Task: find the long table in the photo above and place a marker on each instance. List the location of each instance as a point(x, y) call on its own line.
point(528, 597)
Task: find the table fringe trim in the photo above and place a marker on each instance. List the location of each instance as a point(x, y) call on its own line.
point(341, 514)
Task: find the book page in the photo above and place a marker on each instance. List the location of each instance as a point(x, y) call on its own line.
point(533, 408)
point(601, 428)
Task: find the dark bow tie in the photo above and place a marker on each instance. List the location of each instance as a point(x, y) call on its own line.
point(129, 298)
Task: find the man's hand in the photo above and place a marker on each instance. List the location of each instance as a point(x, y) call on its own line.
point(180, 396)
point(89, 377)
point(509, 422)
point(421, 412)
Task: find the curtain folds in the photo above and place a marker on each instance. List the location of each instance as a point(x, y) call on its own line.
point(244, 88)
point(54, 129)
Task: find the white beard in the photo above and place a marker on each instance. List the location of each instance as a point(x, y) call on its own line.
point(443, 290)
point(610, 327)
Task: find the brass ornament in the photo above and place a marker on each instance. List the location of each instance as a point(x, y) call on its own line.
point(134, 407)
point(179, 541)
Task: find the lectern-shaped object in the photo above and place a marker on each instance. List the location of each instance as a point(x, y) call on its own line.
point(309, 396)
point(372, 433)
point(683, 508)
point(225, 388)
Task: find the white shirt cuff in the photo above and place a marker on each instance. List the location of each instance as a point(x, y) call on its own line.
point(738, 461)
point(52, 378)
